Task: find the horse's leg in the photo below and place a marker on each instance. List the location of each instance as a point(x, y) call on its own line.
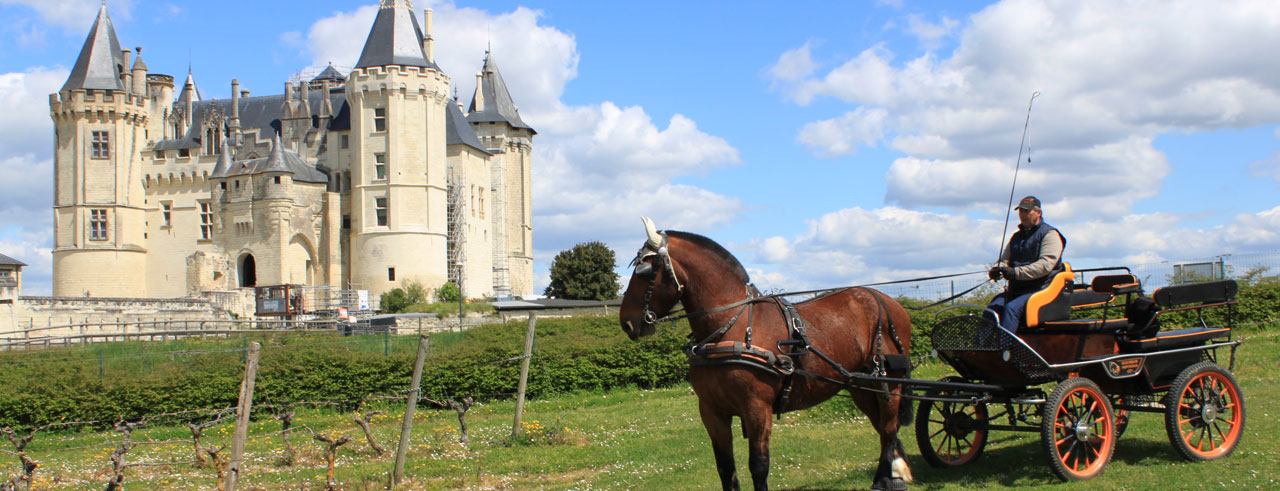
point(718, 428)
point(758, 425)
point(893, 472)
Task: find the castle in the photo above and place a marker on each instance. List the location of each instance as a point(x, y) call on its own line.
point(357, 181)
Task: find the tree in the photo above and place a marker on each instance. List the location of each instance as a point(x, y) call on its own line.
point(584, 273)
point(448, 292)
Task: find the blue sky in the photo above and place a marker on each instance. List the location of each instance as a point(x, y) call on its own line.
point(824, 143)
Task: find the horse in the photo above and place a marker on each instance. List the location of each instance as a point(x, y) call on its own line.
point(754, 366)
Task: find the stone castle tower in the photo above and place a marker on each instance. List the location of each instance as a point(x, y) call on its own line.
point(359, 181)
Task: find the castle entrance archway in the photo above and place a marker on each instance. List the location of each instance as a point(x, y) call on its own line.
point(248, 271)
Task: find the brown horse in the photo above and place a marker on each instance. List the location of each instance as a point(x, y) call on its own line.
point(852, 328)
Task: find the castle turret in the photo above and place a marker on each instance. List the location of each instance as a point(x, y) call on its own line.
point(139, 76)
point(496, 120)
point(100, 125)
point(398, 197)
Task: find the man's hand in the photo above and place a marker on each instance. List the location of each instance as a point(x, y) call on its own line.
point(998, 272)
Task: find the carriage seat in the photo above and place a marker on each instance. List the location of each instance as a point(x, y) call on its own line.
point(1180, 338)
point(1098, 293)
point(1143, 334)
point(1051, 303)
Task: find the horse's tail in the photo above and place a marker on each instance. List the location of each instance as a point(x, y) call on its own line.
point(905, 407)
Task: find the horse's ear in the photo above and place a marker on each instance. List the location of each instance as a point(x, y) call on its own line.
point(651, 232)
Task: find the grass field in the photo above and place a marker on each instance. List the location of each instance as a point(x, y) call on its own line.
point(651, 439)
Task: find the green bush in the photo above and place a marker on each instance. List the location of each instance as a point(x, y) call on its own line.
point(448, 292)
point(148, 379)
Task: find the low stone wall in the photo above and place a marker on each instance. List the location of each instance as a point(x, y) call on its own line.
point(74, 314)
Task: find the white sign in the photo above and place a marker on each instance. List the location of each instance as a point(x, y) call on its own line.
point(363, 295)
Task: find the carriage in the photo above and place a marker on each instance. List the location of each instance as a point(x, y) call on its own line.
point(1093, 332)
point(1097, 336)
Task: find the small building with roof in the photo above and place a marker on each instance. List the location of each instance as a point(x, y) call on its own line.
point(10, 278)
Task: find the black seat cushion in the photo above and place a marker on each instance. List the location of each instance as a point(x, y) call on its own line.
point(1180, 338)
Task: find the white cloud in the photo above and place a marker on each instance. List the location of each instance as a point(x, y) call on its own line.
point(1268, 168)
point(794, 64)
point(928, 33)
point(26, 165)
point(71, 14)
point(841, 136)
point(1114, 76)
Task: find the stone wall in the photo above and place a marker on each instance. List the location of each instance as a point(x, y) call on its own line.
point(100, 315)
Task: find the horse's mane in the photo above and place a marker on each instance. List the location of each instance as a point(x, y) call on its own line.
point(715, 249)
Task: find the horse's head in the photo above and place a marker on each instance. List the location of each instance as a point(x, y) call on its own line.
point(653, 289)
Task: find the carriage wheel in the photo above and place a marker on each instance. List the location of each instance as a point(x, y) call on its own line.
point(950, 434)
point(1204, 413)
point(1078, 430)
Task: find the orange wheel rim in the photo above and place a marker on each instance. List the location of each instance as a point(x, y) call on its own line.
point(1083, 432)
point(1209, 415)
point(957, 440)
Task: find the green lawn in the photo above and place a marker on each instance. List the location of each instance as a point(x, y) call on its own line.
point(651, 439)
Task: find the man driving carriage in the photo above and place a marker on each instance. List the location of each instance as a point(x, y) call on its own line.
point(1028, 262)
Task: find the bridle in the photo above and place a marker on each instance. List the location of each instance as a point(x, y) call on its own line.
point(645, 268)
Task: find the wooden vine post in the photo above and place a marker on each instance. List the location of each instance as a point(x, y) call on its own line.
point(415, 388)
point(524, 375)
point(236, 464)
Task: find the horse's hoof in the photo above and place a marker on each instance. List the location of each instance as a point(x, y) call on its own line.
point(889, 484)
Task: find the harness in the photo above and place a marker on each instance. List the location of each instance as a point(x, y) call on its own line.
point(786, 360)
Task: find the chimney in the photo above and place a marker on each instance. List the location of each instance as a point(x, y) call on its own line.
point(125, 75)
point(244, 93)
point(479, 98)
point(190, 90)
point(235, 111)
point(428, 47)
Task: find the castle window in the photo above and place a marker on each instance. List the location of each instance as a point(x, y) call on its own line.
point(380, 165)
point(101, 144)
point(98, 224)
point(277, 179)
point(379, 119)
point(223, 184)
point(380, 208)
point(160, 154)
point(391, 274)
point(481, 203)
point(206, 220)
point(184, 153)
point(344, 142)
point(346, 222)
point(166, 207)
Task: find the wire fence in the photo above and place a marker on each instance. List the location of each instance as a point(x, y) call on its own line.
point(291, 443)
point(1152, 274)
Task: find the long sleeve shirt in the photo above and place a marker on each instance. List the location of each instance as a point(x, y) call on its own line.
point(1050, 251)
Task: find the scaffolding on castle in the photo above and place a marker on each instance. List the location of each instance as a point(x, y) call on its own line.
point(456, 234)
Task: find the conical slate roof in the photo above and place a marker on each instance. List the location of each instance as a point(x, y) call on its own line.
point(497, 105)
point(395, 38)
point(279, 160)
point(100, 63)
point(329, 73)
point(224, 161)
point(457, 131)
point(195, 91)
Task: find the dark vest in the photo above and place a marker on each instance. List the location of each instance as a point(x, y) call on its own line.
point(1024, 249)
